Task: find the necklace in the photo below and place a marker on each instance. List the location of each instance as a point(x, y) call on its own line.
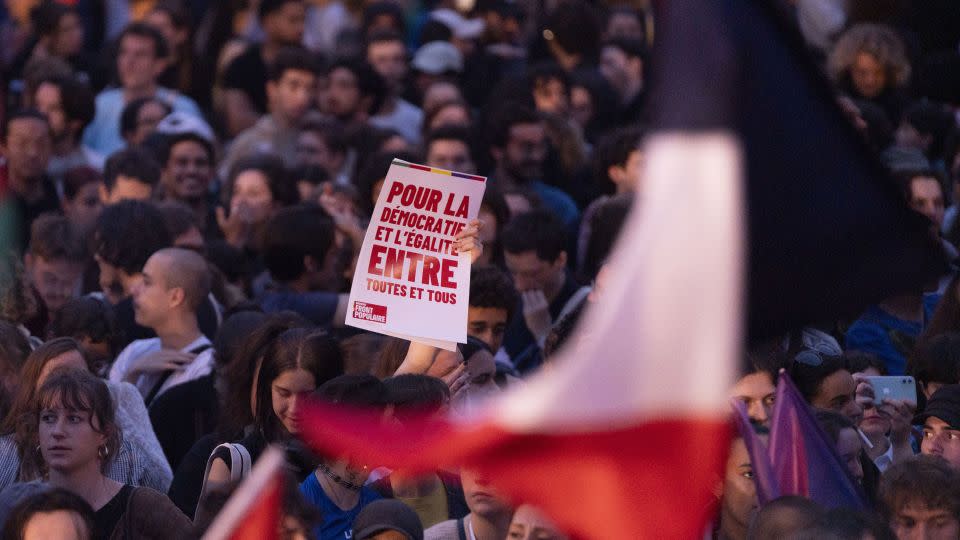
point(337, 479)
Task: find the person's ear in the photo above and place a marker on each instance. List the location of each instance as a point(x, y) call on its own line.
point(176, 296)
point(561, 260)
point(616, 173)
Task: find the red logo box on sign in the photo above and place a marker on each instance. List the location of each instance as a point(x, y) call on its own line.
point(370, 312)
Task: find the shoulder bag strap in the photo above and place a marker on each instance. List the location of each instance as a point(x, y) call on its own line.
point(166, 375)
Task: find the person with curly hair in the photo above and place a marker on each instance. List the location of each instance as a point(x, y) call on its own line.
point(869, 63)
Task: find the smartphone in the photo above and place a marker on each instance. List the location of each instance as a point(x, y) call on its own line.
point(893, 387)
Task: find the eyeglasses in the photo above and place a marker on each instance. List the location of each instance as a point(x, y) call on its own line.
point(809, 358)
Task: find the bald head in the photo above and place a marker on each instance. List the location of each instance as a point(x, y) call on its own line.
point(184, 269)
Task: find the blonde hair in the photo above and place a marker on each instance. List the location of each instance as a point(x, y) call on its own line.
point(877, 40)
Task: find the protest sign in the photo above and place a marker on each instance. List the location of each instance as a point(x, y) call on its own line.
point(410, 282)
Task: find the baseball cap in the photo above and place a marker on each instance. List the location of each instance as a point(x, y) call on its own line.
point(181, 123)
point(943, 404)
point(438, 57)
point(462, 27)
point(387, 515)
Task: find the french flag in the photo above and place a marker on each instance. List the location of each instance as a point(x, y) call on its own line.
point(762, 210)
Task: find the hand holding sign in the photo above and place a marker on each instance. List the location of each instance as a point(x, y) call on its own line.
point(413, 272)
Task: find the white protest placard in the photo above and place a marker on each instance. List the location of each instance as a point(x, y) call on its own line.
point(410, 282)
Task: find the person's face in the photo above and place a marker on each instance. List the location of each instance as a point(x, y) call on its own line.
point(47, 100)
point(451, 115)
point(550, 96)
point(581, 106)
point(868, 75)
point(838, 393)
point(614, 66)
point(85, 207)
point(313, 150)
point(68, 440)
point(69, 359)
point(482, 498)
point(529, 524)
point(389, 59)
point(56, 280)
point(849, 447)
point(68, 40)
point(288, 390)
point(940, 439)
point(875, 422)
point(440, 92)
point(488, 324)
point(285, 26)
point(137, 62)
point(739, 497)
point(920, 523)
point(28, 147)
point(111, 282)
point(343, 94)
point(251, 189)
point(450, 154)
point(61, 524)
point(926, 197)
point(758, 394)
point(152, 298)
point(149, 115)
point(126, 188)
point(292, 95)
point(627, 177)
point(188, 172)
point(625, 25)
point(525, 151)
point(529, 272)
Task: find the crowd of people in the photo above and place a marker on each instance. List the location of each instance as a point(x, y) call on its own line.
point(184, 192)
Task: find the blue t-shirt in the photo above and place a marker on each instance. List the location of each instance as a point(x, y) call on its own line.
point(337, 524)
point(890, 338)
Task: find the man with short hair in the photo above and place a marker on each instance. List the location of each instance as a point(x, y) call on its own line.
point(535, 252)
point(518, 144)
point(291, 90)
point(187, 161)
point(26, 152)
point(354, 93)
point(141, 58)
point(493, 300)
point(130, 174)
point(924, 192)
point(69, 107)
point(386, 52)
point(448, 147)
point(941, 425)
point(175, 282)
point(300, 253)
point(920, 497)
point(245, 97)
point(54, 264)
point(489, 517)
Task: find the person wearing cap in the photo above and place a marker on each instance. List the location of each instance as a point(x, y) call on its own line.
point(941, 425)
point(436, 61)
point(187, 159)
point(387, 55)
point(387, 519)
point(465, 32)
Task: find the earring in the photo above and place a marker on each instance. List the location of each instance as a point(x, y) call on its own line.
point(103, 452)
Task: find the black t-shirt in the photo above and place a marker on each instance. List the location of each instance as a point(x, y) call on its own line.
point(248, 72)
point(105, 520)
point(182, 415)
point(188, 477)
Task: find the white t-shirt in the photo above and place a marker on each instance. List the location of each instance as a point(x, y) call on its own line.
point(200, 366)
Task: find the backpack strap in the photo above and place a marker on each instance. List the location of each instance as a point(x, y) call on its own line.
point(240, 464)
point(461, 530)
point(152, 394)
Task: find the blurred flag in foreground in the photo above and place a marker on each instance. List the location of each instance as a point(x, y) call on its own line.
point(254, 510)
point(625, 435)
point(799, 459)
